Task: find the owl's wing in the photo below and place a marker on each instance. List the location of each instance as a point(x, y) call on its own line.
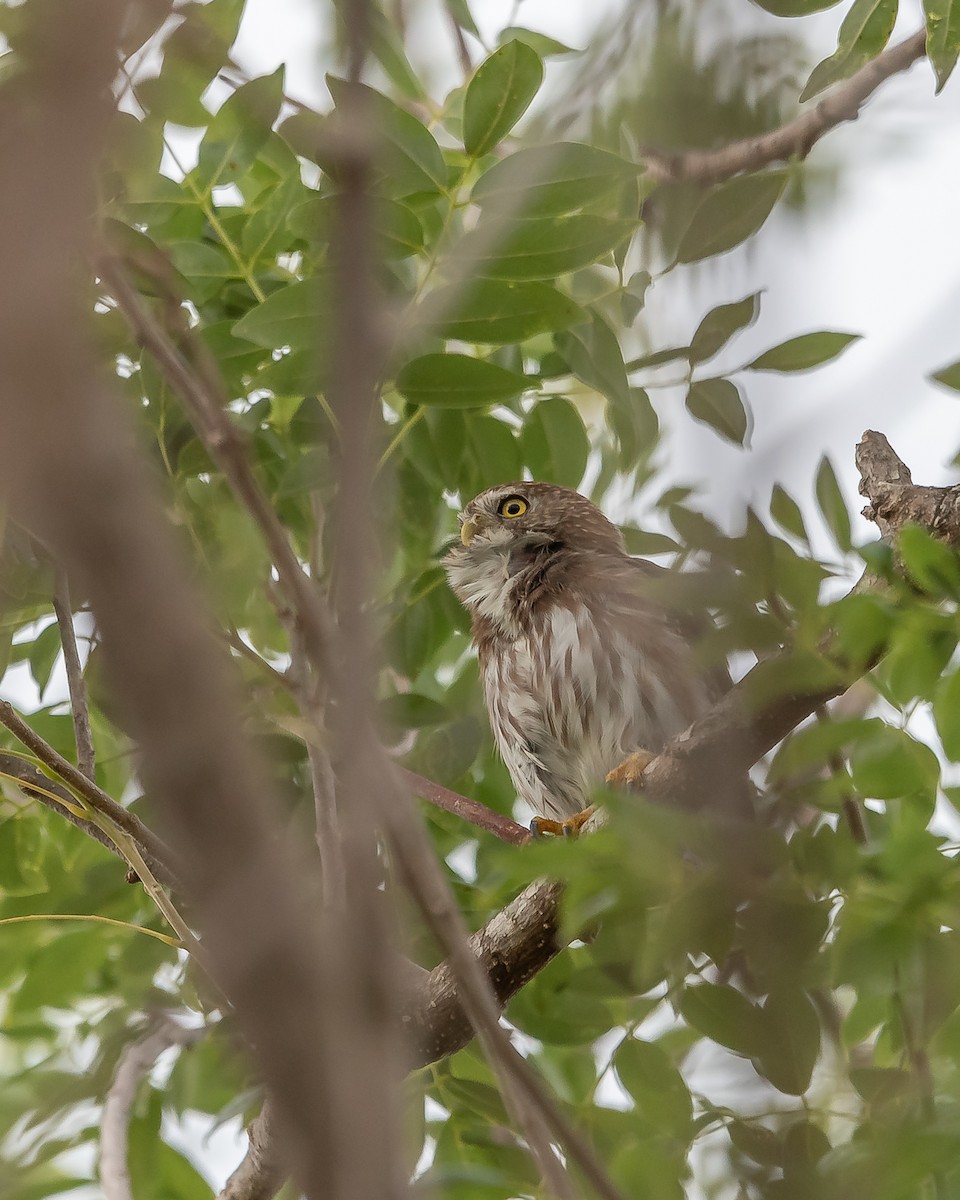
point(677, 594)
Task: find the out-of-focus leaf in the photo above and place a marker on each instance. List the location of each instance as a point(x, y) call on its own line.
point(458, 381)
point(791, 1040)
point(594, 355)
point(237, 132)
point(724, 1015)
point(496, 312)
point(865, 31)
point(786, 512)
point(498, 95)
point(655, 1084)
point(795, 8)
point(412, 159)
point(555, 443)
point(43, 655)
point(546, 47)
point(729, 214)
point(948, 376)
point(718, 403)
point(832, 504)
point(293, 316)
point(539, 249)
point(946, 709)
point(720, 325)
point(552, 180)
point(634, 295)
point(804, 352)
point(894, 766)
point(932, 565)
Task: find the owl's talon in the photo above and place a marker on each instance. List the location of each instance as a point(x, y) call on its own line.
point(570, 828)
point(541, 826)
point(631, 770)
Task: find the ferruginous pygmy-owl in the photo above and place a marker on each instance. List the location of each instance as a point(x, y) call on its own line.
point(580, 668)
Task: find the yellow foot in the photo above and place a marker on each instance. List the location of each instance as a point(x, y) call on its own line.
point(632, 768)
point(571, 827)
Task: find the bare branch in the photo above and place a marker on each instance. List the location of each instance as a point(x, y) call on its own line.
point(262, 1173)
point(795, 139)
point(896, 500)
point(79, 709)
point(478, 814)
point(511, 948)
point(135, 1062)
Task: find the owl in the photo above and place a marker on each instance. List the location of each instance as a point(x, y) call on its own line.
point(581, 665)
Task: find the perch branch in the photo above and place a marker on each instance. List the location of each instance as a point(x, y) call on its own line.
point(470, 810)
point(794, 139)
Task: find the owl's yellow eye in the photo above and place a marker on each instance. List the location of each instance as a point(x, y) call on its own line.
point(513, 506)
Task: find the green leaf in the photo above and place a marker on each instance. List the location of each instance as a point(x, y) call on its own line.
point(538, 249)
point(555, 443)
point(832, 504)
point(724, 1015)
point(946, 709)
point(546, 47)
point(294, 316)
point(720, 325)
point(634, 295)
point(396, 226)
point(795, 8)
point(932, 565)
point(804, 352)
point(791, 1040)
point(459, 11)
point(498, 95)
point(458, 381)
point(43, 655)
point(594, 355)
point(718, 403)
point(551, 180)
point(943, 36)
point(412, 159)
point(496, 312)
point(865, 31)
point(894, 766)
point(387, 48)
point(645, 1070)
point(729, 214)
point(949, 376)
point(238, 131)
point(786, 512)
point(411, 711)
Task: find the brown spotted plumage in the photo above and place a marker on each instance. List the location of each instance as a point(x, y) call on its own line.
point(581, 665)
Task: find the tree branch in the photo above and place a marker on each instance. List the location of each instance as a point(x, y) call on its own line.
point(262, 1173)
point(135, 1062)
point(158, 856)
point(796, 138)
point(470, 810)
point(79, 709)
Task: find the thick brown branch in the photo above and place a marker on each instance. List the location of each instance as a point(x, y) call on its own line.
point(797, 137)
point(512, 947)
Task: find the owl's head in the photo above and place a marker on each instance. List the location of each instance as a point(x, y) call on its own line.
point(536, 514)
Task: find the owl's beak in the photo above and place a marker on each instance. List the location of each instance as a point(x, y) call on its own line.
point(468, 529)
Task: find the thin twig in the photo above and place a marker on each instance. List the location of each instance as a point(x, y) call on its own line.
point(79, 707)
point(506, 829)
point(208, 412)
point(98, 799)
point(794, 139)
point(134, 1063)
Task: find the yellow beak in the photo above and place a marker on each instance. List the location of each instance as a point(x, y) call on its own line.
point(467, 530)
